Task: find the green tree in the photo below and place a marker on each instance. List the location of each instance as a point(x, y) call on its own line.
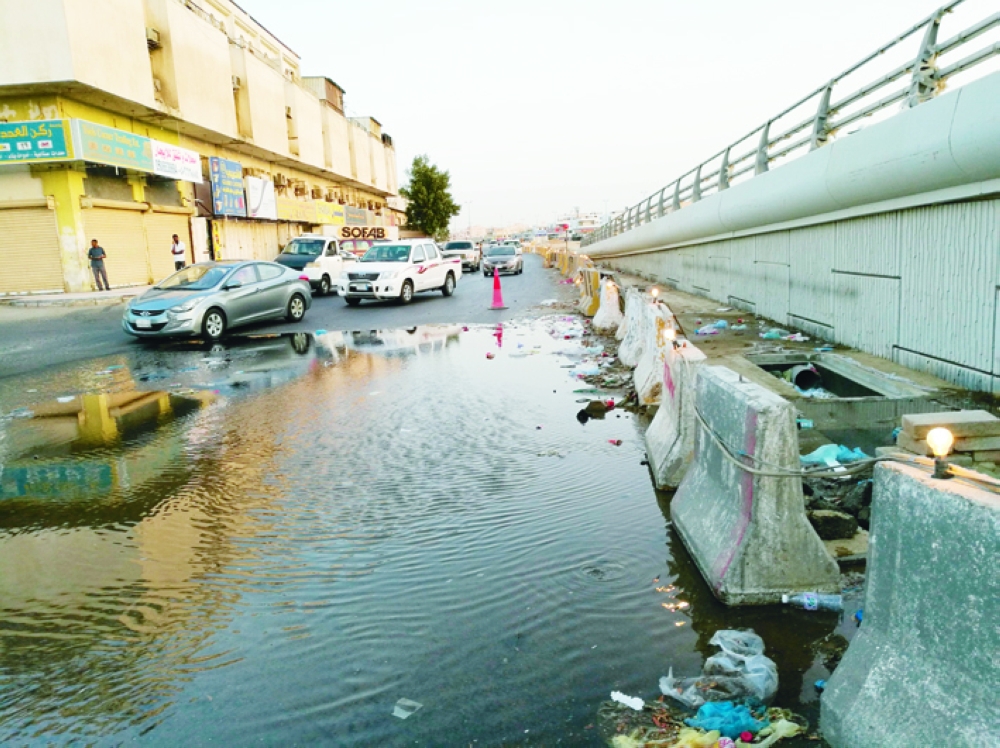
point(431, 206)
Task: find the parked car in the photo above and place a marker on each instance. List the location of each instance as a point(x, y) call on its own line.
point(516, 244)
point(505, 258)
point(471, 257)
point(398, 270)
point(320, 258)
point(209, 298)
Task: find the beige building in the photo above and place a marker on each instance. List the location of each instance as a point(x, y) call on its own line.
point(127, 121)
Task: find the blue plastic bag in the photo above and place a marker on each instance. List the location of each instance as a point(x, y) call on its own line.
point(837, 452)
point(728, 718)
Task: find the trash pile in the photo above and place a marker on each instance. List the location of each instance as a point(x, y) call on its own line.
point(724, 707)
point(594, 361)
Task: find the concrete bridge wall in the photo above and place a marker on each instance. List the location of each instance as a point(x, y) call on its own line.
point(888, 240)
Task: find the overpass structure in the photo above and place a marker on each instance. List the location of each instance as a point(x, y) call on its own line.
point(867, 213)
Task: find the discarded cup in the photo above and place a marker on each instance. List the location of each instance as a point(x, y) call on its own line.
point(616, 442)
point(814, 601)
point(490, 355)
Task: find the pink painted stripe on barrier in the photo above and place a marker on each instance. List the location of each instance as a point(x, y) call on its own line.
point(746, 513)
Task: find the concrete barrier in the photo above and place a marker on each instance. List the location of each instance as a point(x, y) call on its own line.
point(609, 314)
point(590, 292)
point(670, 437)
point(923, 668)
point(631, 331)
point(648, 377)
point(748, 534)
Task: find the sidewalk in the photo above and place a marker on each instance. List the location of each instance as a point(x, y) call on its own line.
point(87, 298)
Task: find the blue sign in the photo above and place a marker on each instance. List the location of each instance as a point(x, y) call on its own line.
point(227, 187)
point(41, 140)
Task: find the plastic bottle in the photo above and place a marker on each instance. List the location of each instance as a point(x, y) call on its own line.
point(814, 601)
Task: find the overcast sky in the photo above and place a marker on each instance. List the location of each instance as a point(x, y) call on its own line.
point(537, 107)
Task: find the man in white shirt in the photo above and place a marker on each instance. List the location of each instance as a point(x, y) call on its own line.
point(177, 249)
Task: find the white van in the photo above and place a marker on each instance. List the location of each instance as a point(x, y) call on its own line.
point(320, 258)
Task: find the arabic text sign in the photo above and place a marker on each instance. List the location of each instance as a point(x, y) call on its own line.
point(227, 187)
point(106, 145)
point(329, 213)
point(42, 140)
point(303, 211)
point(175, 162)
point(356, 216)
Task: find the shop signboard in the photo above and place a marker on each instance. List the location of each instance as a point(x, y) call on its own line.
point(261, 200)
point(356, 216)
point(40, 140)
point(175, 162)
point(329, 213)
point(106, 145)
point(301, 211)
point(227, 187)
point(368, 232)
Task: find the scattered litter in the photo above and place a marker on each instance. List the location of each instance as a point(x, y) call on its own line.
point(740, 670)
point(777, 731)
point(707, 330)
point(833, 453)
point(824, 349)
point(859, 616)
point(320, 332)
point(490, 355)
point(797, 338)
point(724, 309)
point(804, 423)
point(66, 399)
point(729, 719)
point(632, 702)
point(549, 302)
point(820, 685)
point(720, 324)
point(814, 601)
point(405, 708)
point(739, 326)
point(775, 333)
point(616, 442)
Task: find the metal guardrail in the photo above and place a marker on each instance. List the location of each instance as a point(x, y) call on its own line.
point(926, 80)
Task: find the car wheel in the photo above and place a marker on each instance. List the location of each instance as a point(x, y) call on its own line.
point(213, 327)
point(352, 300)
point(449, 285)
point(406, 293)
point(324, 285)
point(296, 308)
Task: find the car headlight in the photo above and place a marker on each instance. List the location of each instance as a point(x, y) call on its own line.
point(187, 306)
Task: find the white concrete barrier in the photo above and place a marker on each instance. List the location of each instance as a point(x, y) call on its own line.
point(670, 436)
point(630, 331)
point(648, 377)
point(748, 534)
point(609, 315)
point(923, 668)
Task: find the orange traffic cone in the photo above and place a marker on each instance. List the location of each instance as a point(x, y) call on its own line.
point(497, 294)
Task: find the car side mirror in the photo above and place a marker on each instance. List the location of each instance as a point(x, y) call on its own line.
point(233, 284)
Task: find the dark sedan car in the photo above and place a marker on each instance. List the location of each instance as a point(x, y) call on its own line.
point(211, 297)
point(505, 258)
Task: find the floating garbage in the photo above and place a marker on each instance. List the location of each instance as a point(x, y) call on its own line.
point(405, 708)
point(728, 718)
point(630, 701)
point(814, 601)
point(707, 330)
point(740, 670)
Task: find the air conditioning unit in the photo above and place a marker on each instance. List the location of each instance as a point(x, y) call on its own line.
point(237, 83)
point(300, 189)
point(331, 195)
point(317, 193)
point(152, 38)
point(280, 180)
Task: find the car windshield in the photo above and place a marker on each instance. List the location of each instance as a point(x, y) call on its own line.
point(304, 247)
point(387, 253)
point(500, 252)
point(196, 278)
point(457, 245)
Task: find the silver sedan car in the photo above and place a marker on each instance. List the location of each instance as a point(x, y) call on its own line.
point(211, 297)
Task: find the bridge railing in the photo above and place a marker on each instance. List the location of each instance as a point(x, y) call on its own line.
point(824, 114)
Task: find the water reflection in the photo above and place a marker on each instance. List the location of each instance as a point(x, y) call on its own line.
point(345, 529)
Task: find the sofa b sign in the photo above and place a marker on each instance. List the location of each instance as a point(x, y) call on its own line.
point(363, 232)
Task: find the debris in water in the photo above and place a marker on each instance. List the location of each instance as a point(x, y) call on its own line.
point(405, 708)
point(616, 442)
point(632, 702)
point(491, 355)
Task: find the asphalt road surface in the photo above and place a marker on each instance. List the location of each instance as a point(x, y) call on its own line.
point(34, 339)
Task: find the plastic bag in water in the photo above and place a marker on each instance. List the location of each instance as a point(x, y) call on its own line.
point(728, 718)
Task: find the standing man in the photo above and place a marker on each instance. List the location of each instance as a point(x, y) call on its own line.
point(96, 255)
point(177, 249)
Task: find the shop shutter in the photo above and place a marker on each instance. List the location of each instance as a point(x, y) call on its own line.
point(122, 234)
point(160, 229)
point(29, 251)
point(249, 240)
point(265, 240)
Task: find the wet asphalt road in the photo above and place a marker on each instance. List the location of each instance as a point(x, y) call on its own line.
point(35, 339)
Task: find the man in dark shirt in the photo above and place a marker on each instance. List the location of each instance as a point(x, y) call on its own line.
point(96, 255)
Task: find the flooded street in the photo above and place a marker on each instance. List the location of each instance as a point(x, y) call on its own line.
point(275, 539)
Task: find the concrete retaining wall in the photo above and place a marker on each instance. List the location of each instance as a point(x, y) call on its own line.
point(670, 436)
point(923, 668)
point(865, 241)
point(748, 534)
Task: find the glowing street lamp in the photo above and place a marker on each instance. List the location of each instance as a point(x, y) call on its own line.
point(940, 440)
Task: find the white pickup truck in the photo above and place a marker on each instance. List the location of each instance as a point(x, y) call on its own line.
point(320, 258)
point(398, 270)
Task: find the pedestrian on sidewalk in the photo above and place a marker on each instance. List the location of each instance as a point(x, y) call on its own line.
point(177, 249)
point(97, 256)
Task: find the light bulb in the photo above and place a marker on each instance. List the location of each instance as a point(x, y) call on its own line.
point(655, 292)
point(940, 441)
point(670, 333)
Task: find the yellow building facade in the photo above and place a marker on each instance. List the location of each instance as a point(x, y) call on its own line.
point(128, 121)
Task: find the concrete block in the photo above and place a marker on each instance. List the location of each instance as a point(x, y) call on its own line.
point(922, 669)
point(748, 534)
point(670, 436)
point(648, 377)
point(964, 445)
point(609, 315)
point(833, 525)
point(987, 456)
point(630, 331)
point(917, 446)
point(960, 423)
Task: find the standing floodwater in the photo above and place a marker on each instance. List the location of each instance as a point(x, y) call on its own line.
point(276, 540)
